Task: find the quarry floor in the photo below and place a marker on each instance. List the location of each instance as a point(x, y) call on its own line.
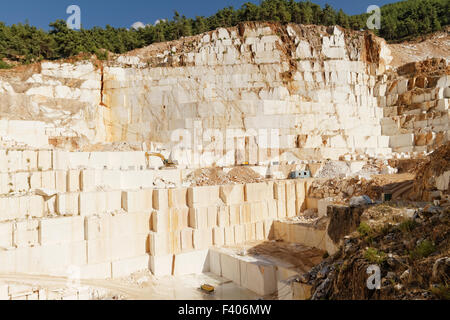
point(143, 286)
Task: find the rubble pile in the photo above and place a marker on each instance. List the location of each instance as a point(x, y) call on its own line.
point(218, 176)
point(411, 246)
point(342, 190)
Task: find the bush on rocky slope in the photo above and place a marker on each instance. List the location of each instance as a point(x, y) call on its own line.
point(413, 256)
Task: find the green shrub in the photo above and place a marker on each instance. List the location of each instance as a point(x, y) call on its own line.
point(423, 250)
point(364, 229)
point(407, 226)
point(4, 65)
point(374, 256)
point(102, 54)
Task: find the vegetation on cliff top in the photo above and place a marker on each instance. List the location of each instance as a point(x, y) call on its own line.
point(24, 43)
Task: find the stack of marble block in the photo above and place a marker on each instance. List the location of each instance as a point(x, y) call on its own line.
point(100, 212)
point(416, 115)
point(188, 221)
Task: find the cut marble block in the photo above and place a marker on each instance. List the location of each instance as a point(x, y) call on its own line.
point(255, 192)
point(194, 262)
point(125, 267)
point(198, 218)
point(203, 196)
point(67, 203)
point(162, 265)
point(232, 194)
point(44, 160)
point(61, 230)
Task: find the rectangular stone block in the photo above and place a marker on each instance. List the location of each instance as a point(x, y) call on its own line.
point(35, 180)
point(239, 234)
point(290, 199)
point(403, 140)
point(29, 160)
point(202, 238)
point(44, 160)
point(279, 189)
point(223, 216)
point(60, 160)
point(235, 214)
point(20, 182)
point(10, 208)
point(246, 213)
point(97, 227)
point(25, 233)
point(187, 239)
point(250, 232)
point(300, 192)
point(160, 221)
point(87, 180)
point(36, 206)
point(4, 183)
point(230, 266)
point(229, 236)
point(258, 211)
point(137, 200)
point(88, 203)
point(272, 209)
point(61, 181)
point(128, 246)
point(130, 224)
point(73, 180)
point(162, 265)
point(281, 208)
point(61, 230)
point(178, 198)
point(99, 251)
point(218, 236)
point(67, 204)
point(259, 231)
point(212, 217)
point(194, 262)
point(198, 218)
point(255, 192)
point(258, 277)
point(175, 241)
point(203, 196)
point(179, 218)
point(214, 262)
point(114, 201)
point(160, 199)
point(48, 180)
point(159, 244)
point(6, 234)
point(232, 194)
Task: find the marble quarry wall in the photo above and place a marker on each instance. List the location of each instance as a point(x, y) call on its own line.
point(253, 93)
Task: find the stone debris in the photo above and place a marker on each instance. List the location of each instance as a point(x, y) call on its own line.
point(218, 176)
point(413, 261)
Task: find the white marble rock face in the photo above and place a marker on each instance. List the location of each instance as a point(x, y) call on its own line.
point(318, 85)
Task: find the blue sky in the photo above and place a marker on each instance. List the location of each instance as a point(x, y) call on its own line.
point(123, 13)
